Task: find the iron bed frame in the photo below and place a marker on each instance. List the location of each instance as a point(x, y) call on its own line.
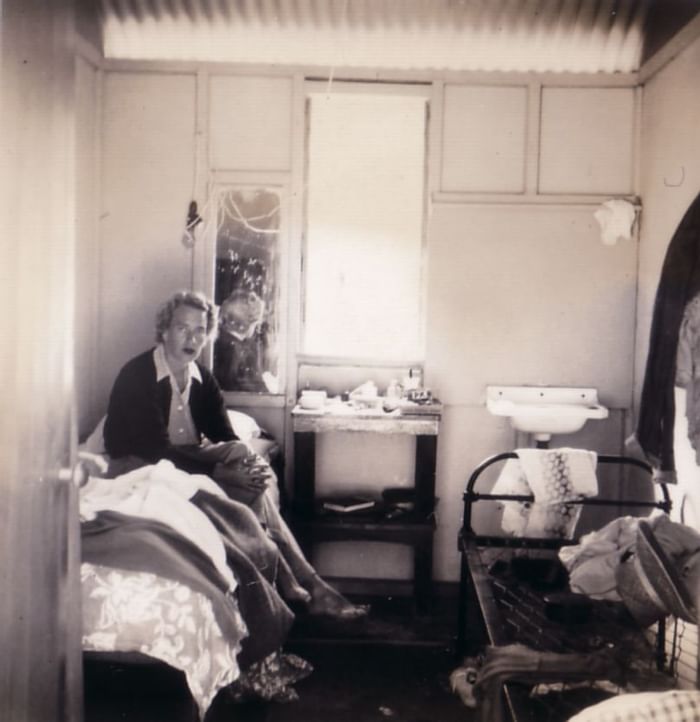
point(499, 609)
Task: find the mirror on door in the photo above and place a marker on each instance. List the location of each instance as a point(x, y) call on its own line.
point(248, 289)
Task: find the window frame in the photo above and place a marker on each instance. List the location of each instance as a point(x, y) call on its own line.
point(383, 88)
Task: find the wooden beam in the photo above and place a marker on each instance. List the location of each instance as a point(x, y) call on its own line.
point(674, 47)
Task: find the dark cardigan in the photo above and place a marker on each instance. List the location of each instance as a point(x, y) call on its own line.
point(138, 411)
point(679, 283)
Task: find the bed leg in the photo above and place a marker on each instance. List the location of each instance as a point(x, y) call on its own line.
point(461, 641)
point(661, 645)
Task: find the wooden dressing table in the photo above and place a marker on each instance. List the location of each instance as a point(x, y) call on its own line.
point(414, 527)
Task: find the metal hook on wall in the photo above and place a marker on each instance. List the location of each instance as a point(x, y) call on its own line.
point(193, 217)
point(193, 220)
point(680, 182)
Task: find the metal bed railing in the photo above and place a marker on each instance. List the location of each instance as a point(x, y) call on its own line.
point(471, 496)
point(507, 610)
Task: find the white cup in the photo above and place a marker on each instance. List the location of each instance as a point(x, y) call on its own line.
point(312, 399)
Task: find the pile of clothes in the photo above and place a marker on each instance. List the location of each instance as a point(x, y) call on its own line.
point(651, 564)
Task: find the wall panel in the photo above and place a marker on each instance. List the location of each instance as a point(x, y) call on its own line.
point(586, 140)
point(250, 123)
point(528, 295)
point(148, 150)
point(521, 293)
point(484, 138)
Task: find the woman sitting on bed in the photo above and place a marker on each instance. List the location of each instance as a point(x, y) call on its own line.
point(166, 405)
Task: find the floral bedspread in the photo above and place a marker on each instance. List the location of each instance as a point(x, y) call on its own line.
point(142, 612)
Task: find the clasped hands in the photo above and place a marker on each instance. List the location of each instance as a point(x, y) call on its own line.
point(245, 471)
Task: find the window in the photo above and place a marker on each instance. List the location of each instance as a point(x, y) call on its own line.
point(364, 230)
point(247, 288)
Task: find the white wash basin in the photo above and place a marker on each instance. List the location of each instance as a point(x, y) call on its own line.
point(545, 410)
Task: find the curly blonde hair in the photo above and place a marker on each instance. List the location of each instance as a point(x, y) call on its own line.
point(193, 299)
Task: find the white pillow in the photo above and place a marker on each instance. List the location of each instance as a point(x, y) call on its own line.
point(244, 426)
point(95, 443)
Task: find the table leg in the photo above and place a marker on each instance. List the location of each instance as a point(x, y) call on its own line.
point(304, 473)
point(423, 574)
point(424, 479)
point(424, 474)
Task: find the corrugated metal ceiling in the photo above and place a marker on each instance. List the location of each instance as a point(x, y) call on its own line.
point(489, 35)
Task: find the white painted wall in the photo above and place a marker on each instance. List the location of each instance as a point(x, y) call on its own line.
point(250, 123)
point(528, 295)
point(522, 295)
point(147, 164)
point(484, 138)
point(519, 292)
point(586, 142)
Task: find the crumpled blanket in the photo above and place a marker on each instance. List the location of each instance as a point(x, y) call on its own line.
point(131, 543)
point(255, 560)
point(592, 563)
point(135, 544)
point(180, 527)
point(161, 492)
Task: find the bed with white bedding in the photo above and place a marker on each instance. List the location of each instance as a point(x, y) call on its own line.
point(169, 575)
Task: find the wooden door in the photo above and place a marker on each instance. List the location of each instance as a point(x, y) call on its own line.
point(40, 624)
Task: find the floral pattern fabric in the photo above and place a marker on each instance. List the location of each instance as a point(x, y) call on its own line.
point(126, 611)
point(271, 678)
point(162, 618)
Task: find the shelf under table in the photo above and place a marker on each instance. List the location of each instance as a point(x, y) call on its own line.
point(414, 528)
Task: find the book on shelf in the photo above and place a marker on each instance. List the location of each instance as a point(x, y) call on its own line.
point(348, 504)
